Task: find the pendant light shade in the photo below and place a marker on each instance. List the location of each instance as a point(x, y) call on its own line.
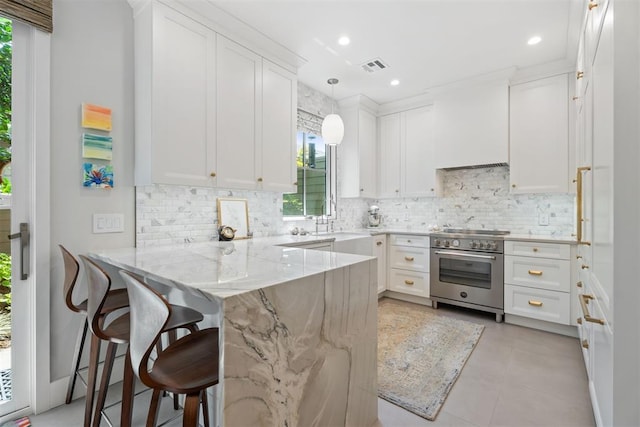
point(332, 125)
point(332, 129)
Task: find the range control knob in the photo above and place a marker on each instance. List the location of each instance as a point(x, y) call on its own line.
point(481, 245)
point(455, 243)
point(492, 245)
point(437, 242)
point(473, 245)
point(447, 243)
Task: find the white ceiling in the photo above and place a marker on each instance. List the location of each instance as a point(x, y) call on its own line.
point(426, 43)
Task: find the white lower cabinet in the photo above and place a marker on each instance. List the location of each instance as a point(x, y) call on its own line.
point(380, 251)
point(409, 265)
point(538, 285)
point(536, 303)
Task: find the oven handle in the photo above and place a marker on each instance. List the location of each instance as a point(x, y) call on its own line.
point(465, 255)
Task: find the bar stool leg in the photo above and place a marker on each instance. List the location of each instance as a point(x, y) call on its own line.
point(128, 390)
point(191, 409)
point(107, 368)
point(205, 407)
point(75, 364)
point(94, 355)
point(154, 408)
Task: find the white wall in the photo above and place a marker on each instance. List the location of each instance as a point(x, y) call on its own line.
point(91, 61)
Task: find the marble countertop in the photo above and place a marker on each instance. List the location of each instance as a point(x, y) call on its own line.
point(525, 237)
point(217, 270)
point(541, 239)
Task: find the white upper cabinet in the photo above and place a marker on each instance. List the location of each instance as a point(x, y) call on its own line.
point(407, 164)
point(209, 112)
point(539, 136)
point(471, 125)
point(390, 137)
point(357, 155)
point(418, 162)
point(277, 155)
point(239, 114)
point(175, 138)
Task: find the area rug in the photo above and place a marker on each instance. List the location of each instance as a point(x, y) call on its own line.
point(420, 355)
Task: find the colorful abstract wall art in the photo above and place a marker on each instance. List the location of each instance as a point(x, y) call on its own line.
point(96, 117)
point(97, 146)
point(97, 176)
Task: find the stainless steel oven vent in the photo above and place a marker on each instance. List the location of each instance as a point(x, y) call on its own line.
point(373, 65)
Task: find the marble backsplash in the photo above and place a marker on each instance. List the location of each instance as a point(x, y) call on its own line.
point(480, 199)
point(472, 198)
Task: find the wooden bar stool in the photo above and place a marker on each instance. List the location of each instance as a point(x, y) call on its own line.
point(116, 299)
point(188, 366)
point(116, 332)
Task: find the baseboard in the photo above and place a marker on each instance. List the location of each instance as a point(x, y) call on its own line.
point(556, 328)
point(405, 297)
point(59, 387)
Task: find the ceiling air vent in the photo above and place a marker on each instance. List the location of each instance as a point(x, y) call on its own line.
point(374, 65)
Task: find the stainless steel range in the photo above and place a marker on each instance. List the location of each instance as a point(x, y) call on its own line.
point(467, 269)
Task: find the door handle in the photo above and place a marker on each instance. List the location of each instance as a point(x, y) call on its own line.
point(23, 235)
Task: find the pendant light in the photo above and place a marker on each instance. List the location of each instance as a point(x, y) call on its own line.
point(332, 125)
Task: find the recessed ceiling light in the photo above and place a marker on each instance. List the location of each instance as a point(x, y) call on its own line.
point(395, 82)
point(534, 40)
point(344, 40)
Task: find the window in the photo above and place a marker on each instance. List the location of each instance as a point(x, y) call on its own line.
point(315, 176)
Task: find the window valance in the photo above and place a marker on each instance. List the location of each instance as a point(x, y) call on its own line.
point(38, 13)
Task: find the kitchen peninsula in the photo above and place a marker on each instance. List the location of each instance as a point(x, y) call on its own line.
point(298, 327)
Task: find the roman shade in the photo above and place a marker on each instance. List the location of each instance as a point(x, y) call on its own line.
point(38, 13)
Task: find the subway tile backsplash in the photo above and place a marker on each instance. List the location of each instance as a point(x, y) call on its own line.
point(480, 199)
point(473, 198)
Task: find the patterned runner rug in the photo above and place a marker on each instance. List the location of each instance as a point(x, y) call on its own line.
point(420, 355)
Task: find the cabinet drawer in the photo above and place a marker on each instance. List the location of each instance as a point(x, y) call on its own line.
point(537, 250)
point(551, 274)
point(537, 304)
point(410, 240)
point(409, 282)
point(408, 258)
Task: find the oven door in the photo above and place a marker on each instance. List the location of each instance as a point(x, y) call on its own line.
point(471, 277)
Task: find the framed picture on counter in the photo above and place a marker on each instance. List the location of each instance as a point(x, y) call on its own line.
point(234, 213)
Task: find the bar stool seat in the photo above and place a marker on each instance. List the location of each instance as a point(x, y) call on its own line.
point(185, 365)
point(116, 332)
point(188, 366)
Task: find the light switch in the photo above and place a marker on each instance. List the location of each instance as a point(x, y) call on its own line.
point(108, 223)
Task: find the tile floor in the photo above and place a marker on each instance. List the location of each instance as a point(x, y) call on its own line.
point(515, 377)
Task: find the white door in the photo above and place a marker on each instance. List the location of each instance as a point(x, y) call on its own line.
point(21, 369)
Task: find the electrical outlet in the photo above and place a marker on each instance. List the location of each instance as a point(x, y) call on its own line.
point(108, 223)
point(543, 218)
